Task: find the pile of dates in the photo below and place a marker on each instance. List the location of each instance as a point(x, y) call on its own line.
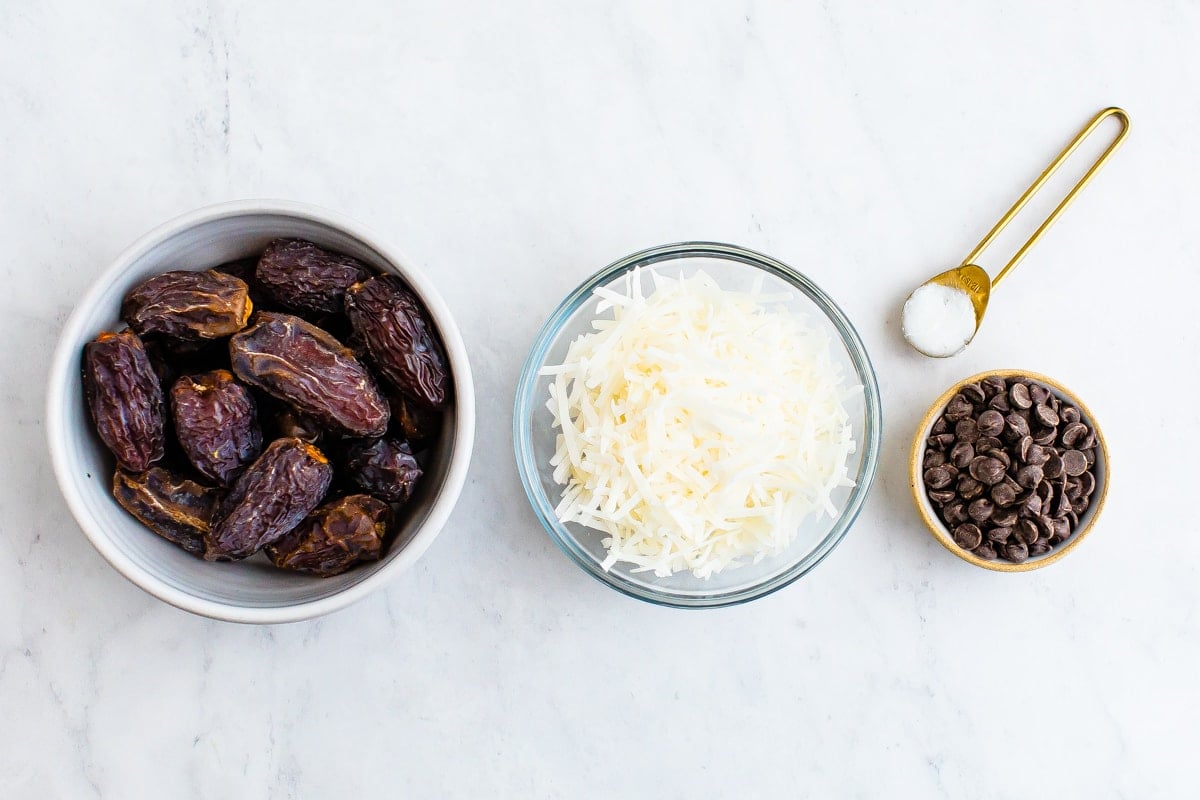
point(281, 404)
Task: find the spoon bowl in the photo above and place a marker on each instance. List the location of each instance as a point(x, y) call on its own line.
point(970, 279)
point(937, 320)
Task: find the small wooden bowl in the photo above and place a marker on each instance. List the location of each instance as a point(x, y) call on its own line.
point(938, 529)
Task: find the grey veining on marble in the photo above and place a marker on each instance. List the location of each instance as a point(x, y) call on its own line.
point(512, 149)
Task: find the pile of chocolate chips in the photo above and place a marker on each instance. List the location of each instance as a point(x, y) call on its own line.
point(1010, 468)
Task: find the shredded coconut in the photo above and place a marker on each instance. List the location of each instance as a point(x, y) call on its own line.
point(698, 427)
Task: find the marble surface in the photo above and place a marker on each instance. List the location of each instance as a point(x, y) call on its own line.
point(512, 149)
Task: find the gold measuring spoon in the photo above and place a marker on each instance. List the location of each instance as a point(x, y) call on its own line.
point(938, 320)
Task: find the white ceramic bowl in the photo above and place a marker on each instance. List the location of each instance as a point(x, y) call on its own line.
point(250, 591)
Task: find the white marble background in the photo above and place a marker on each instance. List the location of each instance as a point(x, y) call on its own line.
point(512, 148)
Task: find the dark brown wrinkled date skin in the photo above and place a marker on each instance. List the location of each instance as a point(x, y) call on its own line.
point(384, 468)
point(124, 398)
point(177, 509)
point(300, 347)
point(290, 424)
point(304, 366)
point(305, 277)
point(243, 269)
point(188, 305)
point(401, 341)
point(335, 537)
point(278, 490)
point(417, 423)
point(216, 424)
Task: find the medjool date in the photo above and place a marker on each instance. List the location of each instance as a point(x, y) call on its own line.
point(384, 468)
point(188, 305)
point(416, 423)
point(291, 424)
point(402, 343)
point(305, 277)
point(334, 538)
point(177, 509)
point(278, 490)
point(307, 368)
point(243, 269)
point(125, 398)
point(216, 424)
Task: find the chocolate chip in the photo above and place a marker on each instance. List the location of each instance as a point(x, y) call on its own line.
point(991, 423)
point(1004, 518)
point(1031, 506)
point(1045, 415)
point(1039, 548)
point(985, 551)
point(1069, 414)
point(973, 393)
point(1018, 395)
point(941, 441)
point(999, 534)
point(986, 469)
point(968, 536)
point(938, 477)
point(1045, 526)
point(1028, 476)
point(981, 510)
point(1072, 433)
point(1016, 552)
point(966, 430)
point(1062, 505)
point(1074, 463)
point(988, 444)
point(958, 408)
point(962, 454)
point(955, 513)
point(1026, 531)
point(1003, 494)
point(992, 385)
point(999, 403)
point(1016, 425)
point(969, 488)
point(1039, 393)
point(942, 496)
point(1062, 528)
point(1053, 466)
point(1044, 436)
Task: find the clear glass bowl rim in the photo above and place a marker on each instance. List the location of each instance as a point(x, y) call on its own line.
point(524, 405)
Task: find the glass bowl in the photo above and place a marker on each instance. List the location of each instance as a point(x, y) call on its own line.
point(733, 268)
